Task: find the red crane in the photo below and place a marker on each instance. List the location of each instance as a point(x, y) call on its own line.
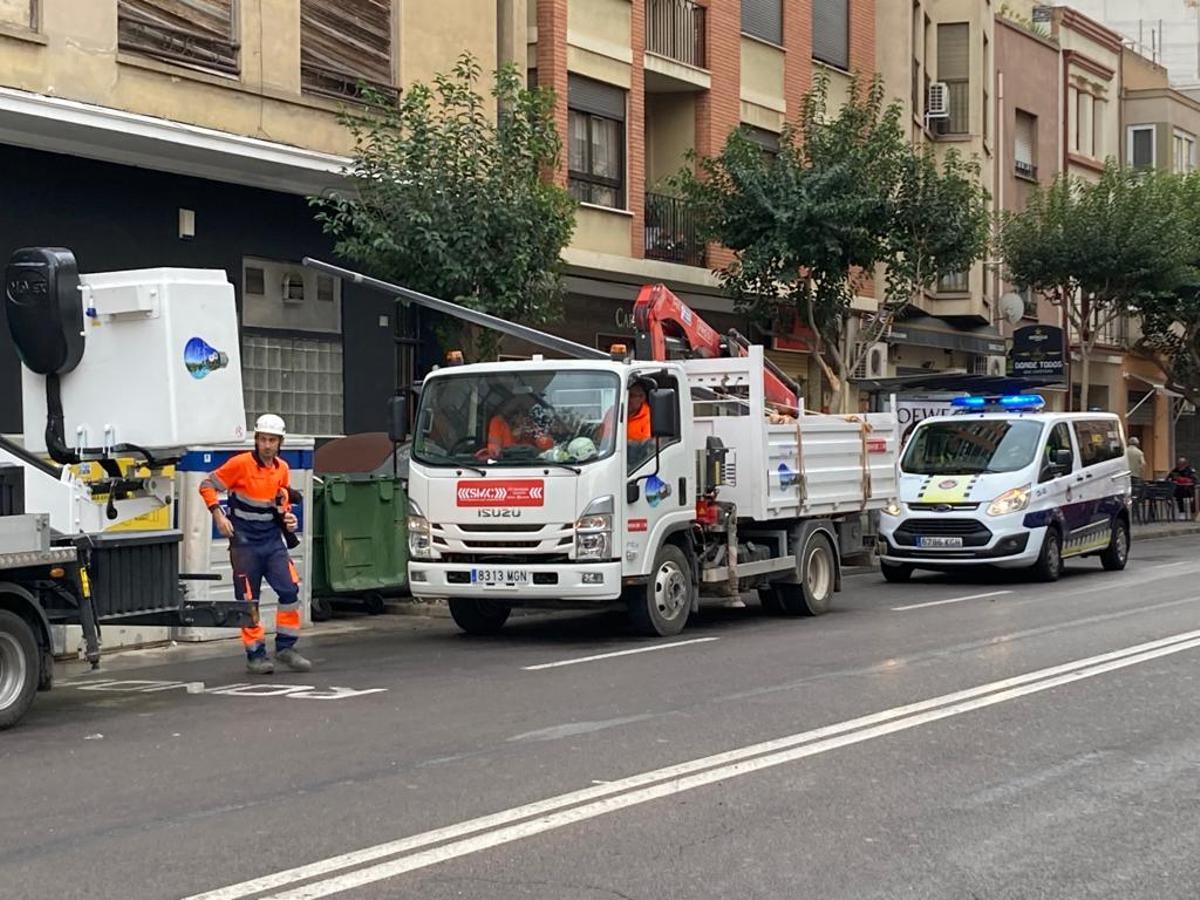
point(667, 328)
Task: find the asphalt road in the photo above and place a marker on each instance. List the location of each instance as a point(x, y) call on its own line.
point(981, 738)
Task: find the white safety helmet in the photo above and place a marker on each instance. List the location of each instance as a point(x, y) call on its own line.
point(582, 448)
point(269, 423)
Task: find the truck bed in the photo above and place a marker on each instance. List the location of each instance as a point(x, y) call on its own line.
point(815, 466)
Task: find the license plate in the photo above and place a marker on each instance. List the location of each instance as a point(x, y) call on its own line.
point(499, 577)
point(940, 543)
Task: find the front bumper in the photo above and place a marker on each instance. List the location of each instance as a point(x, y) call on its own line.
point(552, 584)
point(1003, 541)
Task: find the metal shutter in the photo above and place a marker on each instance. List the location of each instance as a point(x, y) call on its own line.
point(1024, 139)
point(763, 19)
point(954, 52)
point(596, 97)
point(831, 32)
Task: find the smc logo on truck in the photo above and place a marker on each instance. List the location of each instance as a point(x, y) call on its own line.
point(524, 492)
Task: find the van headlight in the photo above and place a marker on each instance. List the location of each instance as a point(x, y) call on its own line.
point(420, 534)
point(593, 530)
point(893, 508)
point(1010, 502)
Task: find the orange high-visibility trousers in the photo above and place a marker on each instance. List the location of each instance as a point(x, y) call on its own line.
point(252, 562)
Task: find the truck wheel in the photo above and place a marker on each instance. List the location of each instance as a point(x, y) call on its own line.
point(1050, 562)
point(20, 662)
point(896, 574)
point(1116, 554)
point(818, 579)
point(321, 609)
point(661, 607)
point(476, 616)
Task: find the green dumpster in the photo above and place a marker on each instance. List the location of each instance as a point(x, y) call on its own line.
point(360, 540)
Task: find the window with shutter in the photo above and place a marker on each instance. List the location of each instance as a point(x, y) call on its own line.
point(954, 59)
point(831, 32)
point(1025, 145)
point(344, 44)
point(596, 142)
point(18, 13)
point(198, 33)
point(763, 19)
point(1141, 149)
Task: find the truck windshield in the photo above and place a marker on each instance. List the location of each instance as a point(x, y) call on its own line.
point(971, 446)
point(517, 418)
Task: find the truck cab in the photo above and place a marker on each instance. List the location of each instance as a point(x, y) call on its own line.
point(525, 489)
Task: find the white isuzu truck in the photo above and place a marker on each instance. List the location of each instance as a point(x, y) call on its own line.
point(527, 487)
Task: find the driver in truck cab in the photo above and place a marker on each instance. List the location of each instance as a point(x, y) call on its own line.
point(514, 425)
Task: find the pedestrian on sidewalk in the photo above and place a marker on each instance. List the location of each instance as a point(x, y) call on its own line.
point(1136, 460)
point(1183, 476)
point(260, 519)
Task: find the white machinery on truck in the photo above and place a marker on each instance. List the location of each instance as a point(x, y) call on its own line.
point(735, 490)
point(114, 366)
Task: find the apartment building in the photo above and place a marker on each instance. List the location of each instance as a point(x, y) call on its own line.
point(191, 132)
point(640, 84)
point(950, 43)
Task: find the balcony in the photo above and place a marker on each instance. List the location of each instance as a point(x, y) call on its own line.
point(676, 46)
point(671, 231)
point(1026, 170)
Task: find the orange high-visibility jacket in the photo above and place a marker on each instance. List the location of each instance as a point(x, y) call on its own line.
point(255, 491)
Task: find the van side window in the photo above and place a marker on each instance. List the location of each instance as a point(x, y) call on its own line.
point(1060, 439)
point(1099, 441)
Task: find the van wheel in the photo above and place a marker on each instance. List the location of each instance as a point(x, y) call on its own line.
point(478, 616)
point(1116, 554)
point(896, 574)
point(1050, 562)
point(661, 607)
point(818, 579)
point(20, 664)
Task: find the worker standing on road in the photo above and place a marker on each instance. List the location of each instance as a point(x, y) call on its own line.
point(256, 483)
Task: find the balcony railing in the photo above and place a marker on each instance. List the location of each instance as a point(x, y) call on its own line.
point(1115, 333)
point(1025, 169)
point(671, 231)
point(676, 29)
point(959, 100)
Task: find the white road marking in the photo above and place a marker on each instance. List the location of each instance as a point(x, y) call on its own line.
point(951, 600)
point(584, 659)
point(1182, 562)
point(555, 812)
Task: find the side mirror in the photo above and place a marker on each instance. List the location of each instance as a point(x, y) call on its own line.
point(664, 414)
point(398, 419)
point(1063, 460)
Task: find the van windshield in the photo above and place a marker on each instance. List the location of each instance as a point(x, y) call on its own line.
point(971, 446)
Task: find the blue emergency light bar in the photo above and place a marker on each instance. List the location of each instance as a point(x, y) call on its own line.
point(1010, 403)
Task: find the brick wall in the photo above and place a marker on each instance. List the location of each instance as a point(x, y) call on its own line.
point(797, 38)
point(718, 111)
point(862, 37)
point(635, 180)
point(552, 67)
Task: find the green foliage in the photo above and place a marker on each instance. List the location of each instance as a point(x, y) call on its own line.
point(845, 193)
point(1102, 250)
point(449, 200)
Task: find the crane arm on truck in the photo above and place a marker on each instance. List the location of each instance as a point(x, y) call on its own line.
point(666, 326)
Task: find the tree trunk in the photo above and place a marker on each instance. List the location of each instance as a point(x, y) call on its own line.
point(1085, 359)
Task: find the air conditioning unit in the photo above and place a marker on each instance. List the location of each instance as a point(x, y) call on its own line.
point(874, 362)
point(937, 103)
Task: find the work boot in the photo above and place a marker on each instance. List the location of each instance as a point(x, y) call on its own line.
point(293, 660)
point(260, 665)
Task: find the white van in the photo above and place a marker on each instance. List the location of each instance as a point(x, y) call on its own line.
point(1003, 484)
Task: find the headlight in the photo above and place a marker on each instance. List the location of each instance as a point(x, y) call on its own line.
point(893, 508)
point(1010, 502)
point(420, 535)
point(593, 530)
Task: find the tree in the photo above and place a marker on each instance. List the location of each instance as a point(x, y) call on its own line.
point(1100, 251)
point(844, 194)
point(448, 198)
point(1170, 333)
